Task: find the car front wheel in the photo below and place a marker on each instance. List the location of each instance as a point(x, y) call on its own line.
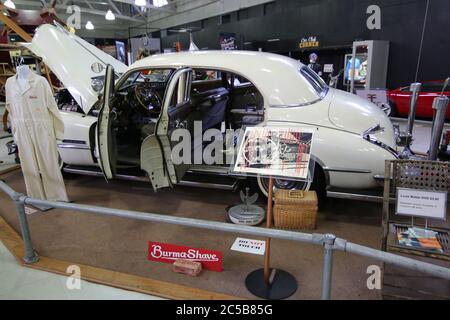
point(318, 184)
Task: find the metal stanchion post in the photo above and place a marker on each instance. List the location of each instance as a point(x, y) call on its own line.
point(30, 254)
point(328, 243)
point(415, 90)
point(440, 104)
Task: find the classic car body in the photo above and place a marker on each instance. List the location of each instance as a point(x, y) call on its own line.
point(399, 99)
point(352, 137)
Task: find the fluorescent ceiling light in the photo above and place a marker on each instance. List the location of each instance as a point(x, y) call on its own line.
point(89, 25)
point(273, 40)
point(10, 4)
point(160, 3)
point(110, 16)
point(140, 3)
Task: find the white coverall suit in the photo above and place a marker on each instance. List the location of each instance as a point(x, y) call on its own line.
point(36, 124)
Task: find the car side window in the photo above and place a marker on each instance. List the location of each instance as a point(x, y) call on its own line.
point(314, 80)
point(182, 90)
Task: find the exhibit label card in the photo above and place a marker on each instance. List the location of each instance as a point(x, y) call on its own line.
point(169, 253)
point(275, 151)
point(249, 246)
point(422, 203)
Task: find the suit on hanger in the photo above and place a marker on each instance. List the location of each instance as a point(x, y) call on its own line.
point(36, 124)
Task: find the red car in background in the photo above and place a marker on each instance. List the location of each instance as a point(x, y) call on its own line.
point(399, 100)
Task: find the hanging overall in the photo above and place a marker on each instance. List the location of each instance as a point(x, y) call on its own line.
point(36, 124)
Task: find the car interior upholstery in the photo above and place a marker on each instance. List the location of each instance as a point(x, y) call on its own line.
point(227, 100)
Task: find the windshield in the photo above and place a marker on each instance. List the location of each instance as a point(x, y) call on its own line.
point(315, 81)
point(139, 76)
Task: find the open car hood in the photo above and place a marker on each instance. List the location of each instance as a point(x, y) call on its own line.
point(70, 58)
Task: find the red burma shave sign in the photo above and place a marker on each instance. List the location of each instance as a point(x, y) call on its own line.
point(169, 253)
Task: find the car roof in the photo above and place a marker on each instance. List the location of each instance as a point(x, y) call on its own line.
point(276, 77)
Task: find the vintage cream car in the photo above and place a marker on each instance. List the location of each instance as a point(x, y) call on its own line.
point(126, 114)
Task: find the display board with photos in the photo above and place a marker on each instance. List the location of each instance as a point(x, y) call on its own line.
point(360, 68)
point(418, 224)
point(280, 152)
point(227, 41)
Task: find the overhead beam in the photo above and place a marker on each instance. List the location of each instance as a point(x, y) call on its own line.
point(188, 11)
point(14, 26)
point(88, 4)
point(114, 7)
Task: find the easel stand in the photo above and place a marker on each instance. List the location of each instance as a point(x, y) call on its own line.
point(267, 283)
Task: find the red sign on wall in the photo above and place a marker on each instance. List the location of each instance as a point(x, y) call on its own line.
point(169, 253)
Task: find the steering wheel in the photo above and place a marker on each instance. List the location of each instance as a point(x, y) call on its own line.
point(148, 98)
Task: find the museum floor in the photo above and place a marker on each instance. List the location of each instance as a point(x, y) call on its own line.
point(121, 245)
point(22, 283)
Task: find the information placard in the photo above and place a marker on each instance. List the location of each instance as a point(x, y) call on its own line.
point(249, 246)
point(422, 203)
point(275, 151)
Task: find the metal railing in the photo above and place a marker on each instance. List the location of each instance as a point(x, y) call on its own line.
point(329, 241)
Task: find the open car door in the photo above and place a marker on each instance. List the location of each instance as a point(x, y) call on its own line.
point(105, 145)
point(177, 113)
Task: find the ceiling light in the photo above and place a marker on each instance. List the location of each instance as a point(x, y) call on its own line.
point(140, 3)
point(160, 3)
point(89, 25)
point(10, 4)
point(110, 16)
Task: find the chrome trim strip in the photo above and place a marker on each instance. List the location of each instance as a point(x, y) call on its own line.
point(356, 196)
point(335, 169)
point(83, 172)
point(321, 97)
point(373, 129)
point(382, 145)
point(207, 185)
point(217, 186)
point(73, 146)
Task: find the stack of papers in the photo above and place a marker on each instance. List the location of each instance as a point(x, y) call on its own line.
point(419, 238)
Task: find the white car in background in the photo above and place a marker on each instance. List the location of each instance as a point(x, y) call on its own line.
point(125, 131)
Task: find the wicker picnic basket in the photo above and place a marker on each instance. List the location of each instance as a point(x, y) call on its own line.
point(295, 209)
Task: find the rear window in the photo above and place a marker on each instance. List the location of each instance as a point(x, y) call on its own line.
point(314, 80)
point(432, 86)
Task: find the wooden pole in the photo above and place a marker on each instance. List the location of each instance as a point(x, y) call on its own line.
point(268, 225)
